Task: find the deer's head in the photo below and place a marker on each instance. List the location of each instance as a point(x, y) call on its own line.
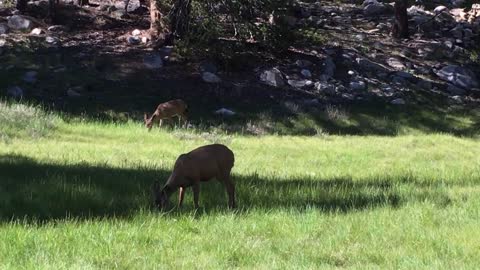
point(148, 121)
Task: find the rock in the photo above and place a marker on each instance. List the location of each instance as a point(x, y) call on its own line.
point(18, 22)
point(398, 101)
point(303, 63)
point(145, 40)
point(329, 67)
point(395, 63)
point(57, 28)
point(310, 102)
point(119, 13)
point(358, 85)
point(15, 92)
point(37, 31)
point(457, 3)
point(272, 77)
point(440, 9)
point(52, 40)
point(4, 29)
point(210, 77)
point(306, 73)
point(382, 27)
point(374, 8)
point(458, 76)
point(405, 75)
point(208, 67)
point(324, 87)
point(299, 83)
point(30, 77)
point(133, 40)
point(136, 32)
point(457, 99)
point(368, 65)
point(153, 61)
point(72, 93)
point(424, 84)
point(360, 37)
point(455, 91)
point(457, 32)
point(225, 112)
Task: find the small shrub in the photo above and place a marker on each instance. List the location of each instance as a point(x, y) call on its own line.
point(17, 120)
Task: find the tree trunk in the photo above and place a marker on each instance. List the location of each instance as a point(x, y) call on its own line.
point(21, 5)
point(400, 26)
point(52, 10)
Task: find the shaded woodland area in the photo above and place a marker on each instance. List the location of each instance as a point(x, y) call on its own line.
point(278, 65)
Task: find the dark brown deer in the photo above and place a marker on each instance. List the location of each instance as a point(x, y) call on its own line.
point(167, 110)
point(200, 165)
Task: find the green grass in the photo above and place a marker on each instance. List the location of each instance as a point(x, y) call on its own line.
point(79, 197)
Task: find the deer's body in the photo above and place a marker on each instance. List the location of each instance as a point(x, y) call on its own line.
point(167, 110)
point(202, 164)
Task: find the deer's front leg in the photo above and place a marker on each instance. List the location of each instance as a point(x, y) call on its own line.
point(196, 192)
point(181, 194)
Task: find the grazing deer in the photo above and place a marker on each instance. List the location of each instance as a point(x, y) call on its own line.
point(167, 110)
point(200, 165)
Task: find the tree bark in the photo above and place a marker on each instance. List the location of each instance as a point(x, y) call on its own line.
point(21, 5)
point(400, 26)
point(52, 10)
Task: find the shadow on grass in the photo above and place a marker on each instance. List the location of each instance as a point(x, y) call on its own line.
point(41, 192)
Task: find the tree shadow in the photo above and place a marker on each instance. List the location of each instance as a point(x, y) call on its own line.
point(31, 191)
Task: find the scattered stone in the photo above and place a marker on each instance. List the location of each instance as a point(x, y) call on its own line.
point(398, 101)
point(303, 63)
point(210, 77)
point(57, 28)
point(72, 93)
point(440, 9)
point(358, 85)
point(225, 112)
point(52, 40)
point(324, 87)
point(457, 99)
point(374, 8)
point(299, 83)
point(153, 61)
point(18, 22)
point(145, 40)
point(272, 77)
point(133, 40)
point(458, 76)
point(457, 31)
point(15, 92)
point(455, 91)
point(382, 27)
point(136, 32)
point(37, 31)
point(306, 73)
point(405, 75)
point(30, 77)
point(368, 65)
point(351, 73)
point(395, 63)
point(4, 29)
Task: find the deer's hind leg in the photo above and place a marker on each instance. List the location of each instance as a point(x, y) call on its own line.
point(226, 179)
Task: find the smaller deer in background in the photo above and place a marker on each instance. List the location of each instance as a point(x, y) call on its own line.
point(167, 110)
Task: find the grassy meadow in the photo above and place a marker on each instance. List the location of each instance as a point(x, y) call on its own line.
point(76, 194)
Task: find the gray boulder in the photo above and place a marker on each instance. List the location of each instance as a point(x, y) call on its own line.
point(18, 22)
point(329, 67)
point(374, 8)
point(4, 29)
point(210, 77)
point(358, 85)
point(458, 76)
point(272, 77)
